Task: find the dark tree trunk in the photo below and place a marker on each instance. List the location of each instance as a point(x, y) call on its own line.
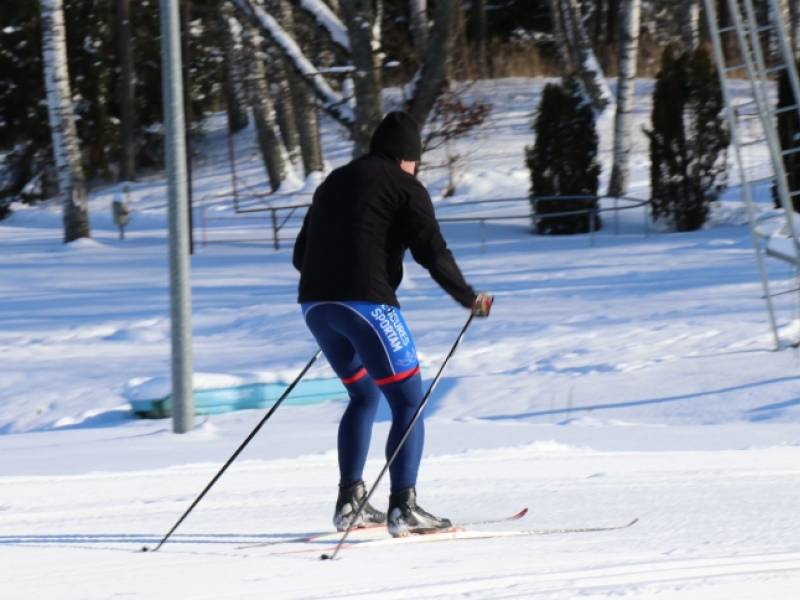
point(285, 112)
point(359, 17)
point(233, 83)
point(478, 35)
point(435, 68)
point(307, 124)
point(273, 152)
point(127, 159)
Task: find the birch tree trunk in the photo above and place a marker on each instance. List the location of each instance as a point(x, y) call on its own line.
point(418, 15)
point(690, 18)
point(127, 159)
point(628, 54)
point(305, 111)
point(790, 17)
point(66, 148)
point(427, 86)
point(285, 113)
point(273, 151)
point(234, 81)
point(577, 53)
point(359, 19)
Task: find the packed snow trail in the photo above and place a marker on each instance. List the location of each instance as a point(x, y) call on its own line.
point(709, 520)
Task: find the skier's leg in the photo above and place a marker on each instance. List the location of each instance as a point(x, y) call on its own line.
point(404, 398)
point(355, 427)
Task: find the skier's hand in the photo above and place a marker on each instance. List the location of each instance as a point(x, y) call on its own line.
point(482, 305)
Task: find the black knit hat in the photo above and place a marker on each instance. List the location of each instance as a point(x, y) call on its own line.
point(397, 136)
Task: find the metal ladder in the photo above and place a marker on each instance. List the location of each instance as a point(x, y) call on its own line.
point(756, 112)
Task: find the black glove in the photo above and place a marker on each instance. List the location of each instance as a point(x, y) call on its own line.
point(482, 305)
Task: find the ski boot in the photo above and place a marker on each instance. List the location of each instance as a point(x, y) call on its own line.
point(406, 517)
point(347, 504)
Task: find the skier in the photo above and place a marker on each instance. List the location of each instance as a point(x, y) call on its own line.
point(350, 256)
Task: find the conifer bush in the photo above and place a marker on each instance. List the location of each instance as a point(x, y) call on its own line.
point(789, 135)
point(563, 161)
point(688, 139)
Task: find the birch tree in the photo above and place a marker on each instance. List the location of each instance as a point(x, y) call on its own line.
point(233, 80)
point(304, 108)
point(576, 54)
point(628, 54)
point(427, 84)
point(359, 18)
point(285, 112)
point(61, 116)
point(273, 151)
point(690, 20)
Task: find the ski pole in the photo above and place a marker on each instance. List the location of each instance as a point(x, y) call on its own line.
point(241, 447)
point(402, 441)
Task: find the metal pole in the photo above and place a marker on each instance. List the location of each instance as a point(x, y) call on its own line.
point(275, 242)
point(180, 293)
point(185, 9)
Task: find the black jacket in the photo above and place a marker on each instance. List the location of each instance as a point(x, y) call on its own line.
point(362, 219)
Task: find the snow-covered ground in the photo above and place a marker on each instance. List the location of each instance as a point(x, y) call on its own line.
point(631, 377)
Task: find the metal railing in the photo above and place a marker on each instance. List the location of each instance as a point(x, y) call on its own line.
point(279, 217)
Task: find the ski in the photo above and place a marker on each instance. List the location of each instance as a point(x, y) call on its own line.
point(323, 536)
point(460, 534)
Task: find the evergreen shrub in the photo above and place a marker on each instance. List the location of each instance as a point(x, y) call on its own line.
point(688, 139)
point(563, 161)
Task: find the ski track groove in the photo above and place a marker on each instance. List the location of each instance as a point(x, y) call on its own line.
point(593, 579)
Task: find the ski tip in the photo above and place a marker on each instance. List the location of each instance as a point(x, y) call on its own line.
point(521, 513)
point(326, 556)
point(144, 549)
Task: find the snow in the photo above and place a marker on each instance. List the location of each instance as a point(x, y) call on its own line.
point(279, 36)
point(628, 376)
point(328, 19)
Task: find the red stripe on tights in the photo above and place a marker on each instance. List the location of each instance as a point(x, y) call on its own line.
point(360, 375)
point(398, 376)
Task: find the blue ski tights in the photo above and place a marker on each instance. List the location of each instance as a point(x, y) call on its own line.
point(370, 348)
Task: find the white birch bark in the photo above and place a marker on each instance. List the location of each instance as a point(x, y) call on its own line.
point(273, 150)
point(234, 84)
point(331, 101)
point(328, 19)
point(66, 147)
point(359, 19)
point(305, 110)
point(628, 54)
point(576, 53)
point(690, 20)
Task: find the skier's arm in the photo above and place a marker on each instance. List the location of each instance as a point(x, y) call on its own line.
point(300, 244)
point(430, 250)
